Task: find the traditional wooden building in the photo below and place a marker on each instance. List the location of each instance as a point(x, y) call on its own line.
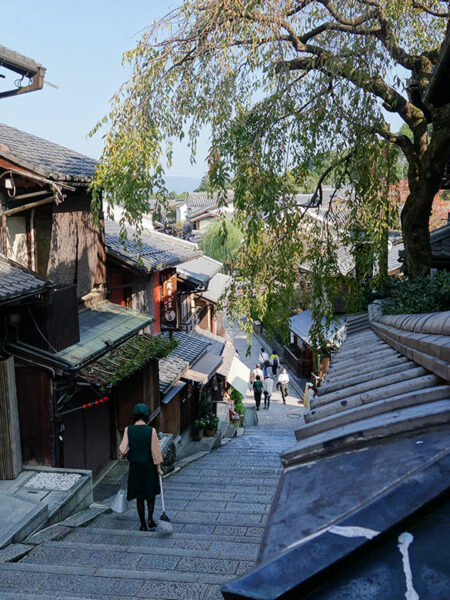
point(194, 308)
point(137, 271)
point(20, 290)
point(71, 353)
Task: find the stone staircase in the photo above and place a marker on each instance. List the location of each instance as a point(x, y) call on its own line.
point(218, 506)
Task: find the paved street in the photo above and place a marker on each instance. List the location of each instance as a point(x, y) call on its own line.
point(288, 416)
point(218, 506)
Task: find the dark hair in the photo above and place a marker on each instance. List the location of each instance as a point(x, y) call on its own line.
point(140, 417)
point(262, 350)
point(258, 378)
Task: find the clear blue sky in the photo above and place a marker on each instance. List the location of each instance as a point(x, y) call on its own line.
point(81, 44)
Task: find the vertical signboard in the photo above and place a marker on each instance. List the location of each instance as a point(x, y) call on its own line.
point(169, 313)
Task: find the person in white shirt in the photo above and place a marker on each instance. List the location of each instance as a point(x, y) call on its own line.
point(264, 361)
point(268, 389)
point(256, 371)
point(283, 380)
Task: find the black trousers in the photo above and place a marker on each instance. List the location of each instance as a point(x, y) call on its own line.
point(257, 399)
point(284, 391)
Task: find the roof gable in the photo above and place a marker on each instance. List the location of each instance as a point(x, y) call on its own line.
point(44, 157)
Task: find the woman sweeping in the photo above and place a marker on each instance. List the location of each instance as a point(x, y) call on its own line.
point(141, 446)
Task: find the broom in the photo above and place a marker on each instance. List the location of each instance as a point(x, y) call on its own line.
point(164, 524)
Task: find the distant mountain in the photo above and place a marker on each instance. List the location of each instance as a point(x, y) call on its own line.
point(182, 184)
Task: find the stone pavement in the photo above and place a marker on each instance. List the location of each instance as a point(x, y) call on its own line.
point(290, 415)
point(218, 505)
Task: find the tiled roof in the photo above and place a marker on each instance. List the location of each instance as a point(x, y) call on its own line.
point(190, 348)
point(216, 287)
point(101, 328)
point(158, 251)
point(199, 271)
point(301, 324)
point(17, 281)
point(197, 200)
point(216, 342)
point(44, 157)
point(369, 469)
point(440, 242)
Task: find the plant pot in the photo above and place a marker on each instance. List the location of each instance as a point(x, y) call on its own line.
point(197, 435)
point(210, 432)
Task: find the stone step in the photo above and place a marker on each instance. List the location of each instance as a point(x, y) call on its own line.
point(178, 539)
point(389, 391)
point(149, 556)
point(107, 583)
point(372, 409)
point(258, 498)
point(224, 527)
point(209, 516)
point(371, 384)
point(332, 387)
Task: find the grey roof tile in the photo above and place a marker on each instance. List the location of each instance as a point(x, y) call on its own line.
point(158, 251)
point(188, 351)
point(45, 157)
point(216, 342)
point(200, 270)
point(16, 280)
point(301, 324)
point(101, 327)
point(216, 287)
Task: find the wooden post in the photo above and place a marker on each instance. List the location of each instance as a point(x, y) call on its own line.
point(10, 451)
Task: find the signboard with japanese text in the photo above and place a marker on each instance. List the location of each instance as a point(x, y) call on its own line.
point(169, 312)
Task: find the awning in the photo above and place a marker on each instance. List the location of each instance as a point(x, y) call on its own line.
point(239, 376)
point(204, 369)
point(173, 392)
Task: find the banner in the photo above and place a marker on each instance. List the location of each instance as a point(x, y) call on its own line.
point(169, 315)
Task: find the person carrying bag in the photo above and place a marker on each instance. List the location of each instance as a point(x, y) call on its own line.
point(140, 445)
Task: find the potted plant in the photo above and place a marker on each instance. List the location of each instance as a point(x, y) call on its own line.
point(240, 409)
point(211, 425)
point(198, 428)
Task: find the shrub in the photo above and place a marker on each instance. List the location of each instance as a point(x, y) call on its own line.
point(418, 295)
point(211, 422)
point(199, 424)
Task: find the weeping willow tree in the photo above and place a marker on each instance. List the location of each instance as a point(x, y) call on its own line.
point(283, 85)
point(222, 241)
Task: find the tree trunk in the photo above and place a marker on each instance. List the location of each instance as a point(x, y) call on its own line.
point(416, 235)
point(424, 179)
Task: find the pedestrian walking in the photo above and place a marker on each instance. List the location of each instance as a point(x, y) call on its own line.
point(283, 381)
point(264, 361)
point(274, 363)
point(257, 391)
point(140, 445)
point(268, 389)
point(257, 372)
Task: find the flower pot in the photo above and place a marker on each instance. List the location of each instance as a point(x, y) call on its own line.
point(197, 435)
point(210, 432)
